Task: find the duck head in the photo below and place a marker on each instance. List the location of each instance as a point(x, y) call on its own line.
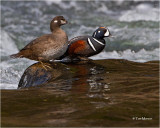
point(57, 22)
point(101, 33)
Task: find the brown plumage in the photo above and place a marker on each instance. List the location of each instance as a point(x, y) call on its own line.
point(47, 47)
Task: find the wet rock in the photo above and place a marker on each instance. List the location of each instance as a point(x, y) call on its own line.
point(39, 74)
point(64, 76)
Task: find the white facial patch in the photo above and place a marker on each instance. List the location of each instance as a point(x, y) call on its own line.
point(99, 31)
point(63, 22)
point(107, 33)
point(55, 21)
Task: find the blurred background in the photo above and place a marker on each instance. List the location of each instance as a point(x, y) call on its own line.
point(135, 25)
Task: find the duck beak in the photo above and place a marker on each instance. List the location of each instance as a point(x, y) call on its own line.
point(66, 21)
point(110, 35)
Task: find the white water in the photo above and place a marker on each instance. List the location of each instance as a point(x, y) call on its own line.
point(7, 44)
point(11, 70)
point(141, 12)
point(141, 56)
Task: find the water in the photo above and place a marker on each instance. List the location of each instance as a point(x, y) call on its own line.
point(136, 32)
point(101, 93)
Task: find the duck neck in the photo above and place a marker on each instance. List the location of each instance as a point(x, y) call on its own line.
point(54, 27)
point(57, 31)
point(99, 40)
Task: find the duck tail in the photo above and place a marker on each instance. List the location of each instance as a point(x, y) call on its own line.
point(18, 55)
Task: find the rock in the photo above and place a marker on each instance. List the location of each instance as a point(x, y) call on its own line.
point(58, 74)
point(37, 74)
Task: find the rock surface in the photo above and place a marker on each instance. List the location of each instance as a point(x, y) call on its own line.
point(102, 93)
point(38, 74)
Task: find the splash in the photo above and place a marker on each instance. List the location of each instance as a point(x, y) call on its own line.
point(139, 13)
point(141, 56)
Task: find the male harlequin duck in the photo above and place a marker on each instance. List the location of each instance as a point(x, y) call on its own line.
point(47, 47)
point(86, 46)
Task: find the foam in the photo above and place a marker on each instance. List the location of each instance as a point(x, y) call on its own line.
point(141, 12)
point(8, 86)
point(64, 5)
point(7, 45)
point(141, 56)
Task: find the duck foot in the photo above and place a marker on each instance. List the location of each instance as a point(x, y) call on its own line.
point(83, 58)
point(45, 65)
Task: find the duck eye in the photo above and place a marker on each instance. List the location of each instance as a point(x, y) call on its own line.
point(55, 21)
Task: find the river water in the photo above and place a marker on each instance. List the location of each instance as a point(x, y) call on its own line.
point(135, 25)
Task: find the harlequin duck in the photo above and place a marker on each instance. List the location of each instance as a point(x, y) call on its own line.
point(86, 46)
point(47, 47)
